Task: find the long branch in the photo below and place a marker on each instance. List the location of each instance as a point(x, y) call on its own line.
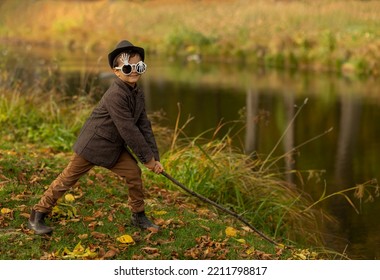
point(237, 216)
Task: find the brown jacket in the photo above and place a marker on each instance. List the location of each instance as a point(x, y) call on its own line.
point(119, 120)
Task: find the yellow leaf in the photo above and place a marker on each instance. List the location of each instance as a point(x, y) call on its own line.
point(300, 256)
point(88, 254)
point(5, 210)
point(69, 197)
point(125, 239)
point(250, 251)
point(66, 251)
point(231, 232)
point(78, 252)
point(160, 213)
point(78, 249)
point(240, 240)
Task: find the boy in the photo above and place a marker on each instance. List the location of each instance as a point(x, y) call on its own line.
point(119, 121)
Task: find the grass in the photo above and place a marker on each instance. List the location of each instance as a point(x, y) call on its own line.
point(30, 117)
point(98, 216)
point(328, 35)
point(90, 221)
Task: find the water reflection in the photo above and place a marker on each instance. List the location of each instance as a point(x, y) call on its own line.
point(347, 153)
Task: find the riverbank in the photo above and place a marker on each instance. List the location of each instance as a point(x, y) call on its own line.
point(36, 139)
point(92, 220)
point(327, 35)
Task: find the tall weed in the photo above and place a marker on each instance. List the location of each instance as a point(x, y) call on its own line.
point(219, 171)
point(216, 169)
point(29, 114)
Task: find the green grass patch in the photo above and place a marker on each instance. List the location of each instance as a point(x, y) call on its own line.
point(99, 215)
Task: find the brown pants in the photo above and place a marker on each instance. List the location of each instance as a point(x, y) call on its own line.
point(126, 167)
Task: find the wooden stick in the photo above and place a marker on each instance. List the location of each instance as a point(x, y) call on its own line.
point(235, 215)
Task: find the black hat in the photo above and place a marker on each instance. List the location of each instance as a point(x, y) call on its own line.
point(122, 47)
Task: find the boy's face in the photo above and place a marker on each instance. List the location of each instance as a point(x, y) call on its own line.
point(134, 76)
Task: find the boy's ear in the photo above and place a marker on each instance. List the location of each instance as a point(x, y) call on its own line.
point(116, 72)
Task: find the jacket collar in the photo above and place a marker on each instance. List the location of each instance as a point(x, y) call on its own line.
point(127, 87)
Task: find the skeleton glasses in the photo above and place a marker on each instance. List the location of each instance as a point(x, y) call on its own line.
point(127, 68)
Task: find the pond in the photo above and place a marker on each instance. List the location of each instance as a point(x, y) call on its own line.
point(328, 122)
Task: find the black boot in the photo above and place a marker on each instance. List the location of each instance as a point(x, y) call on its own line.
point(36, 223)
point(141, 221)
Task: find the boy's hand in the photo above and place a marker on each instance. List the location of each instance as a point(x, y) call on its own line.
point(154, 166)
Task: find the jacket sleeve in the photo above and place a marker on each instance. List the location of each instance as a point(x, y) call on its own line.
point(119, 106)
point(146, 129)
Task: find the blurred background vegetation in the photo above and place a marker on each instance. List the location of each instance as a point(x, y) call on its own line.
point(328, 35)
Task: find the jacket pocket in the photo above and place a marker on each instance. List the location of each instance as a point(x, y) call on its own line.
point(109, 135)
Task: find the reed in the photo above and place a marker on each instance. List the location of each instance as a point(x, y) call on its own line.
point(219, 171)
point(30, 115)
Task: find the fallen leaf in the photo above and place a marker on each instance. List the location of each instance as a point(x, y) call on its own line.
point(241, 240)
point(98, 214)
point(25, 215)
point(98, 235)
point(6, 211)
point(247, 229)
point(207, 248)
point(138, 257)
point(250, 251)
point(63, 210)
point(79, 252)
point(110, 254)
point(120, 228)
point(231, 232)
point(110, 217)
point(89, 219)
point(33, 179)
point(125, 239)
point(150, 250)
point(69, 197)
point(300, 256)
point(153, 229)
point(208, 253)
point(205, 228)
point(83, 236)
point(94, 224)
point(160, 213)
